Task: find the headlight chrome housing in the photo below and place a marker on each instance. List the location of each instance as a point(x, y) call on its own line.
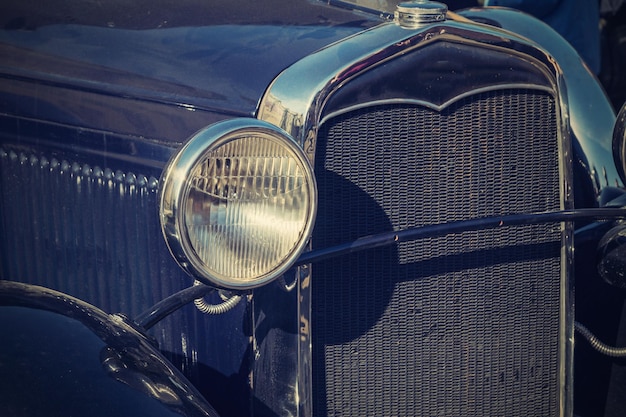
point(238, 203)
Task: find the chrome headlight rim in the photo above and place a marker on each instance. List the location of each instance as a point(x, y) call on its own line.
point(175, 188)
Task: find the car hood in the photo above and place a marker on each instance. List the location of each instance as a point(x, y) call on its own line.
point(193, 54)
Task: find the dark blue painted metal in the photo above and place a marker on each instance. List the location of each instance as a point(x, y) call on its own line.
point(60, 356)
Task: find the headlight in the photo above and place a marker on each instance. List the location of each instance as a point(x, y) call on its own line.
point(237, 203)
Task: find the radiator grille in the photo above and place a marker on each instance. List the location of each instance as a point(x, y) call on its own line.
point(461, 325)
point(94, 233)
point(88, 231)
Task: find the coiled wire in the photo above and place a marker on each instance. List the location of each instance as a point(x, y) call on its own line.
point(207, 308)
point(603, 348)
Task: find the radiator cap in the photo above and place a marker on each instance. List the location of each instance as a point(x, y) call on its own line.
point(411, 14)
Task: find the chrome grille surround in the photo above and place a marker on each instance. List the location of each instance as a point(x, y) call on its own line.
point(382, 71)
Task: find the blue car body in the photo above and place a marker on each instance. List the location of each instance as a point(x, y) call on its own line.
point(96, 101)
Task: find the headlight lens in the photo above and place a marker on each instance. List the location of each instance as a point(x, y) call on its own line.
point(238, 203)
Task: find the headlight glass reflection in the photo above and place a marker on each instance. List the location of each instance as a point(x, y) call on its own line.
point(246, 208)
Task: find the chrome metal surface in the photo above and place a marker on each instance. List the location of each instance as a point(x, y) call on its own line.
point(412, 14)
point(297, 97)
point(415, 233)
point(619, 142)
point(175, 188)
point(310, 92)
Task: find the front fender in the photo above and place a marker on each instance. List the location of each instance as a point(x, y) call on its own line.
point(62, 357)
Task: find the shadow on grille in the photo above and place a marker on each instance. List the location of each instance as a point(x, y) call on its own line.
point(465, 324)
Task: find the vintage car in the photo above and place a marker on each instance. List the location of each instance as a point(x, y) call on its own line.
point(303, 208)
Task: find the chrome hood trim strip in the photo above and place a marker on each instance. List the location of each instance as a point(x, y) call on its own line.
point(296, 98)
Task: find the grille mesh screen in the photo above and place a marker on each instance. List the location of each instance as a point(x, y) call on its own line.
point(81, 229)
point(461, 325)
point(94, 233)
